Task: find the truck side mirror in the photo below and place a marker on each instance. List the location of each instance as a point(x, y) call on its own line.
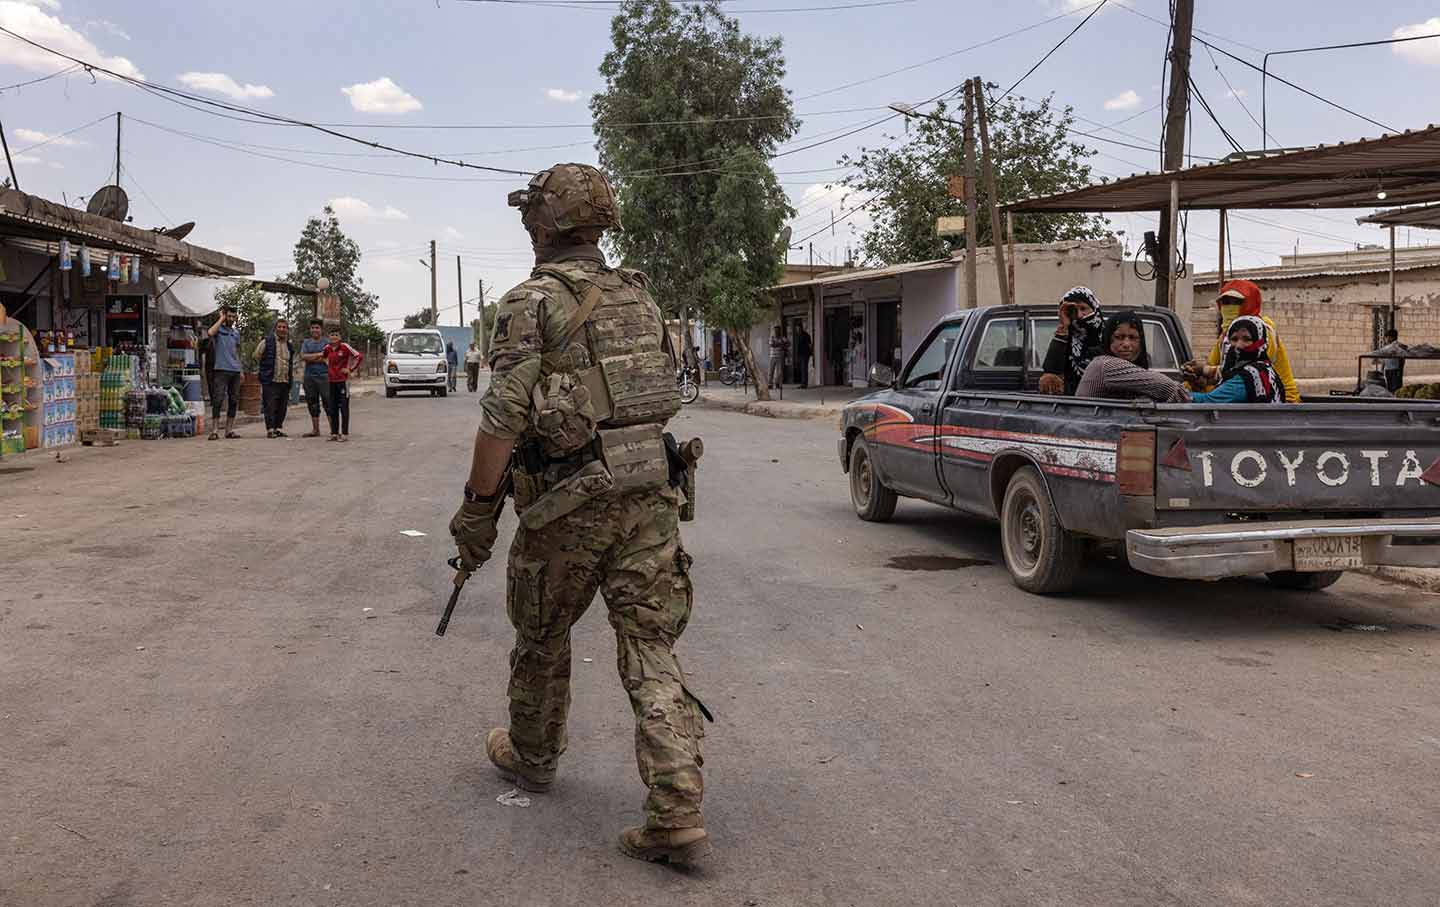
point(881, 375)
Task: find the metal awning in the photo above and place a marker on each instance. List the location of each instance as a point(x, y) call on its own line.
point(32, 217)
point(1427, 216)
point(861, 275)
point(1405, 166)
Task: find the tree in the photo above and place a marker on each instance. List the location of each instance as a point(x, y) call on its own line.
point(1033, 156)
point(324, 250)
point(421, 319)
point(253, 316)
point(698, 197)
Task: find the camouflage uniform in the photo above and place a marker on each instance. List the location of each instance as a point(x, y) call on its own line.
point(625, 545)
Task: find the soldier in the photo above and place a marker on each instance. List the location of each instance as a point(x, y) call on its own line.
point(583, 382)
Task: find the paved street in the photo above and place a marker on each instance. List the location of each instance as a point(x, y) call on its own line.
point(219, 685)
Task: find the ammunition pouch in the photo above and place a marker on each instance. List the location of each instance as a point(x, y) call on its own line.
point(564, 415)
point(636, 457)
point(632, 389)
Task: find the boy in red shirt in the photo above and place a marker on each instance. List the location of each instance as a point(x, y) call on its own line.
point(341, 359)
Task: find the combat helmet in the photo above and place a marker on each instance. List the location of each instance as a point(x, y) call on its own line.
point(567, 198)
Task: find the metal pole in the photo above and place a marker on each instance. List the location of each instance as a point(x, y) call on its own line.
point(117, 148)
point(971, 213)
point(997, 238)
point(1174, 240)
point(484, 334)
point(1264, 120)
point(1224, 221)
point(1177, 106)
point(459, 291)
point(14, 181)
point(1392, 277)
point(434, 304)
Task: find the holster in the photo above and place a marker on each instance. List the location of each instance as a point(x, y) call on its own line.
point(568, 495)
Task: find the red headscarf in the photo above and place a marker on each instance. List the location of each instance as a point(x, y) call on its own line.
point(1248, 296)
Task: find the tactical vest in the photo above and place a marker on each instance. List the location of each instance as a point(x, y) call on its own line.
point(631, 378)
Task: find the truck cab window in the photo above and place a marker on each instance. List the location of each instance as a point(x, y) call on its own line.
point(1001, 346)
point(1157, 344)
point(927, 369)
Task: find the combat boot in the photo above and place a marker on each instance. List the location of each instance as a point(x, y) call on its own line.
point(502, 753)
point(676, 846)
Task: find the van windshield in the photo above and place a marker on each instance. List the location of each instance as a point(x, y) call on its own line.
point(417, 344)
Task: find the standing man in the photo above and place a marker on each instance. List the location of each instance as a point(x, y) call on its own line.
point(804, 349)
point(586, 524)
point(317, 374)
point(225, 372)
point(276, 356)
point(472, 368)
point(779, 345)
point(452, 365)
point(341, 360)
point(1395, 367)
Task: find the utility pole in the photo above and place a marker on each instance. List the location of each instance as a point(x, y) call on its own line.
point(460, 291)
point(997, 237)
point(117, 148)
point(484, 334)
point(971, 214)
point(14, 181)
point(1175, 110)
point(434, 303)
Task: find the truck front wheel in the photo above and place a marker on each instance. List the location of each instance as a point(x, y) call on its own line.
point(873, 501)
point(1041, 555)
point(1305, 582)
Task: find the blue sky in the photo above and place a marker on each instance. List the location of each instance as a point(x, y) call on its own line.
point(516, 68)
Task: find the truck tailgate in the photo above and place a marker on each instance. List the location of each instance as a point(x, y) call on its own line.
point(1291, 459)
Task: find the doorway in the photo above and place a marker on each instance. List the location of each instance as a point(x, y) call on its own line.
point(837, 343)
point(887, 334)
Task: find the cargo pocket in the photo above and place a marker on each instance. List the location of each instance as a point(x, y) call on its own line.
point(525, 598)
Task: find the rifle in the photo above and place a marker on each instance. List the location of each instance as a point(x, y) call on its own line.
point(461, 575)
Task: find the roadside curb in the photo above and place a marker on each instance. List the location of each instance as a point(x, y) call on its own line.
point(772, 409)
point(1426, 580)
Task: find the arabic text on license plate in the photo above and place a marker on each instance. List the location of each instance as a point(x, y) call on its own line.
point(1337, 552)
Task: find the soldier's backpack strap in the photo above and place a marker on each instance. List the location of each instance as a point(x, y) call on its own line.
point(588, 293)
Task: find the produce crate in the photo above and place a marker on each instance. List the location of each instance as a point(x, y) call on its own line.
point(101, 437)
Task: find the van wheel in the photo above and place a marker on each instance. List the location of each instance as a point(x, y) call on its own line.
point(1305, 582)
point(873, 502)
point(389, 391)
point(1041, 555)
point(441, 392)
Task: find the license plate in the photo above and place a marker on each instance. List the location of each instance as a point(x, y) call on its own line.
point(1336, 552)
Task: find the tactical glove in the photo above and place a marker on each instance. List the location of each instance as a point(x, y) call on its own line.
point(474, 529)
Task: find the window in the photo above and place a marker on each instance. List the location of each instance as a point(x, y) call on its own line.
point(1041, 331)
point(417, 344)
point(1157, 344)
point(927, 369)
point(1001, 346)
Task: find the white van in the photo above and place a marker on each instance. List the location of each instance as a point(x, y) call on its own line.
point(415, 360)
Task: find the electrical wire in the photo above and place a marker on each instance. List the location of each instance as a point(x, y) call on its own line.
point(1239, 98)
point(1205, 105)
point(1088, 16)
point(63, 135)
point(66, 71)
point(169, 221)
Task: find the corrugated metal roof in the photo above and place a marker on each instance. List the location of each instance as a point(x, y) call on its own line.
point(1272, 274)
point(863, 274)
point(1346, 175)
point(1427, 216)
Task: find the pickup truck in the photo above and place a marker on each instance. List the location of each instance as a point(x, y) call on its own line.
point(1299, 492)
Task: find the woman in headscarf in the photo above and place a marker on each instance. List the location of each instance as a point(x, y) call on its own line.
point(1237, 298)
point(1122, 370)
point(1246, 375)
point(1076, 342)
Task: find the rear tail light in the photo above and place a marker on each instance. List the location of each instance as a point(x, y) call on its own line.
point(1135, 462)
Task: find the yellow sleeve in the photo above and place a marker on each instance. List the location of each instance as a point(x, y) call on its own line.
point(1281, 360)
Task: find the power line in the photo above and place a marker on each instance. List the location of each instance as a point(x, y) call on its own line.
point(1205, 105)
point(1080, 25)
point(130, 174)
point(1234, 93)
point(63, 135)
point(66, 71)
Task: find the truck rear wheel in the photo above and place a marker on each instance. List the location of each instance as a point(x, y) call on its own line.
point(873, 501)
point(1041, 555)
point(1305, 582)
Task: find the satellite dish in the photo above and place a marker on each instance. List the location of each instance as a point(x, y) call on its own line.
point(111, 202)
point(785, 235)
point(179, 232)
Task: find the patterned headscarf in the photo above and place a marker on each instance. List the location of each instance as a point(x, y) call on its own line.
point(1251, 362)
point(1085, 334)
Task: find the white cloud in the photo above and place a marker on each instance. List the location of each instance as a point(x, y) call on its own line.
point(106, 26)
point(1125, 100)
point(220, 83)
point(33, 22)
point(36, 137)
point(381, 96)
point(1239, 93)
point(1426, 53)
point(359, 209)
point(562, 95)
point(451, 233)
point(38, 162)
